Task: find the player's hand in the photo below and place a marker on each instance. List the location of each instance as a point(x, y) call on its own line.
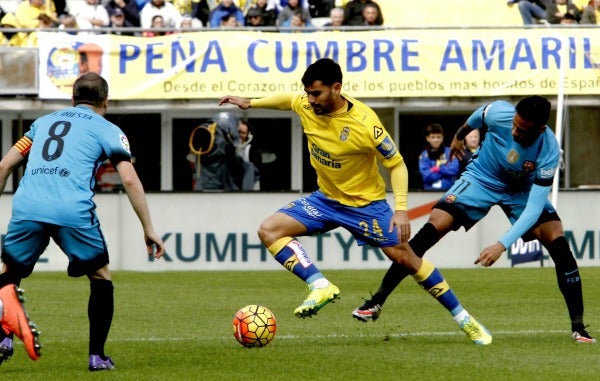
point(490, 254)
point(243, 103)
point(154, 245)
point(457, 149)
point(435, 169)
point(401, 221)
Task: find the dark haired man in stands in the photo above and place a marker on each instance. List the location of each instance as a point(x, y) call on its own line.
point(353, 13)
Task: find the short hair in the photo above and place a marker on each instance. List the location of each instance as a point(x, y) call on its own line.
point(338, 10)
point(90, 88)
point(325, 70)
point(248, 125)
point(371, 5)
point(434, 128)
point(534, 109)
point(226, 17)
point(300, 14)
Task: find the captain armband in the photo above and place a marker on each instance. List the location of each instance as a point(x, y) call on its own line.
point(23, 145)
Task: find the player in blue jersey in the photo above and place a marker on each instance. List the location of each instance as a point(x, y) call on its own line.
point(64, 150)
point(346, 140)
point(514, 168)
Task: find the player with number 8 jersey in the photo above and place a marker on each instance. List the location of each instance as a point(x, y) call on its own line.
point(54, 199)
point(73, 142)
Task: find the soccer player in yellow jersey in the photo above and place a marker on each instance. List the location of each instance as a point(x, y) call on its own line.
point(345, 141)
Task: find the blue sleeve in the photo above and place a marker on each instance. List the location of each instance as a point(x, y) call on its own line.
point(535, 204)
point(240, 18)
point(476, 118)
point(215, 19)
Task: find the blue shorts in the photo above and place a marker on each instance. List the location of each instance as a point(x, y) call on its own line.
point(468, 201)
point(26, 241)
point(368, 224)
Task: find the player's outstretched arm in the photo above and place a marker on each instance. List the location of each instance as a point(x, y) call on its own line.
point(458, 142)
point(243, 103)
point(457, 149)
point(490, 255)
point(137, 198)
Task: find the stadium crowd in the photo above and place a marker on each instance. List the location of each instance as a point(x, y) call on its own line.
point(151, 18)
point(549, 12)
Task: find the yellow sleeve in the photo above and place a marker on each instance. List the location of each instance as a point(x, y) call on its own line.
point(275, 102)
point(399, 179)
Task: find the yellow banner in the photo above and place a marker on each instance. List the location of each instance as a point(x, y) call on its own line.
point(391, 63)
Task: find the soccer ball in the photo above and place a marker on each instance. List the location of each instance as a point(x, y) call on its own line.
point(254, 326)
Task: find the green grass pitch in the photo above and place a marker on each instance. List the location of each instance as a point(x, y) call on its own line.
point(177, 326)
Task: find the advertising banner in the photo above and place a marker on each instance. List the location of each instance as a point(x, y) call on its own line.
point(218, 231)
point(388, 63)
point(523, 252)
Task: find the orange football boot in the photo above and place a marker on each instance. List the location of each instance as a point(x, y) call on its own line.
point(15, 320)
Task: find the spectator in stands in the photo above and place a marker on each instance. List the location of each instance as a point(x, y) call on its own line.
point(157, 27)
point(320, 8)
point(197, 9)
point(188, 22)
point(568, 19)
point(580, 4)
point(201, 11)
point(68, 23)
point(251, 158)
point(141, 4)
point(92, 15)
point(9, 38)
point(280, 4)
point(557, 9)
point(336, 17)
point(28, 11)
point(182, 6)
point(129, 9)
point(289, 10)
point(60, 7)
point(532, 11)
point(298, 20)
point(472, 142)
point(371, 15)
point(590, 13)
point(118, 21)
point(226, 8)
point(170, 15)
point(254, 18)
point(45, 23)
point(229, 21)
point(353, 13)
point(268, 15)
point(437, 169)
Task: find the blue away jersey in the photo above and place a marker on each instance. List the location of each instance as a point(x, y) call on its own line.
point(68, 147)
point(504, 165)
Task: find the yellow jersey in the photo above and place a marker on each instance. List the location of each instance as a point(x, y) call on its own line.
point(344, 148)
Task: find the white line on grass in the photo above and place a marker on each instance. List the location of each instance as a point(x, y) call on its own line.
point(329, 336)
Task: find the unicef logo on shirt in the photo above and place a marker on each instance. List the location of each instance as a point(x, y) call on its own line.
point(62, 172)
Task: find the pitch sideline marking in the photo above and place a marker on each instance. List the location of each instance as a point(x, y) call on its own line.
point(330, 336)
